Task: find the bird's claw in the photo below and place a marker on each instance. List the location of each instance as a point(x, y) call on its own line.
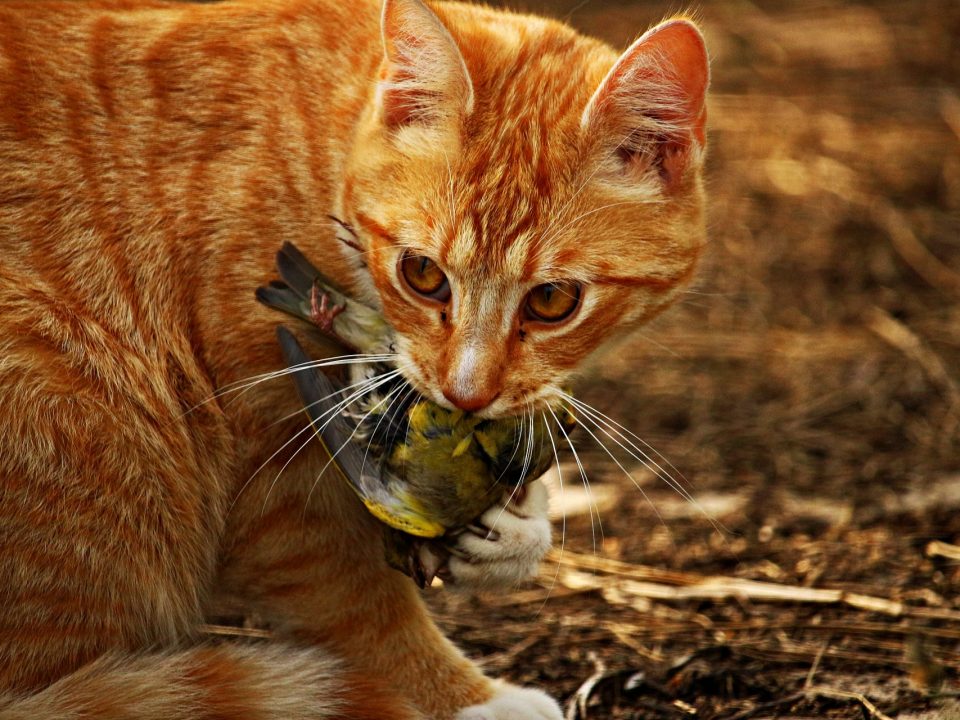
point(426, 562)
point(322, 312)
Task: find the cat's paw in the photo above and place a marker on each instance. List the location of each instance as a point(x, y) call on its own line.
point(514, 703)
point(507, 544)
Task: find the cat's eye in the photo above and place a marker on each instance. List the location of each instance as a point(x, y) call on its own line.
point(553, 302)
point(424, 276)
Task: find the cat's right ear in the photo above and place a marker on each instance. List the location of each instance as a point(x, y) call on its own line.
point(423, 78)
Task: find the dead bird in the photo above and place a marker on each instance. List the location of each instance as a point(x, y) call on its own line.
point(425, 471)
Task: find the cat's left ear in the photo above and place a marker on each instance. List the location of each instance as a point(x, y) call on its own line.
point(423, 79)
point(650, 109)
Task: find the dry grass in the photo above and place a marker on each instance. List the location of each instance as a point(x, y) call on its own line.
point(807, 388)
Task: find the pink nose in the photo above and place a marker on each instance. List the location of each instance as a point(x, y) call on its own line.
point(473, 402)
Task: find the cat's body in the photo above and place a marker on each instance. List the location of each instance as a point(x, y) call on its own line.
point(153, 157)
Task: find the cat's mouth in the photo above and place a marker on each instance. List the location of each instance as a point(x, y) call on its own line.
point(496, 409)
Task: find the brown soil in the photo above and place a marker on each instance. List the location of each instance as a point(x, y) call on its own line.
point(806, 389)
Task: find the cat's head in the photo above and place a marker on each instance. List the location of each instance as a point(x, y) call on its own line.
point(523, 194)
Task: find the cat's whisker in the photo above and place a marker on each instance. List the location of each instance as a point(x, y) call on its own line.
point(321, 363)
point(528, 451)
point(546, 240)
point(599, 166)
point(276, 452)
point(623, 469)
point(586, 483)
point(518, 433)
point(396, 394)
point(523, 472)
point(450, 190)
point(370, 382)
point(333, 455)
point(656, 343)
point(616, 432)
point(348, 388)
point(625, 434)
point(563, 515)
point(330, 415)
point(399, 396)
point(242, 386)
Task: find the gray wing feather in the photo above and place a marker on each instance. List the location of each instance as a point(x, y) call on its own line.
point(319, 397)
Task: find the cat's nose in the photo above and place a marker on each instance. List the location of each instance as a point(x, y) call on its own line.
point(470, 402)
point(471, 376)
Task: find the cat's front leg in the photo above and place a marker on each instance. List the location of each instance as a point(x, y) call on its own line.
point(506, 546)
point(503, 549)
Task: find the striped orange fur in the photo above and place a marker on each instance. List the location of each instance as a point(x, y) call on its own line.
point(153, 158)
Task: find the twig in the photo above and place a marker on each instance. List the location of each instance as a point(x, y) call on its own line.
point(230, 631)
point(677, 586)
point(577, 706)
point(743, 714)
point(895, 333)
point(915, 253)
point(847, 695)
point(507, 657)
point(808, 683)
point(812, 693)
point(938, 548)
point(622, 633)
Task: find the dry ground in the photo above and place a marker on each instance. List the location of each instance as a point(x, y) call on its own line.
point(807, 389)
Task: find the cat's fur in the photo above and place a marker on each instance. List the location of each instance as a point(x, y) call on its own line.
point(153, 157)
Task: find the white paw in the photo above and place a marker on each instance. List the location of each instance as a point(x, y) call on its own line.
point(510, 553)
point(514, 703)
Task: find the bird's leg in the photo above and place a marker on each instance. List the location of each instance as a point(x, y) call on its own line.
point(321, 311)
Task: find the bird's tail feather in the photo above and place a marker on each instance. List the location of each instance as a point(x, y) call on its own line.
point(280, 296)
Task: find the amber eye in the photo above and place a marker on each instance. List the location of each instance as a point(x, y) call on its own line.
point(552, 302)
point(425, 276)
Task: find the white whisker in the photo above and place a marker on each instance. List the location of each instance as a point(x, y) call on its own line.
point(622, 468)
point(563, 516)
point(397, 396)
point(586, 484)
point(523, 474)
point(559, 214)
point(333, 414)
point(300, 432)
point(333, 455)
point(588, 213)
point(609, 426)
point(339, 391)
point(242, 386)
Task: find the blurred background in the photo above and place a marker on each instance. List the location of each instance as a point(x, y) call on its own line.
point(806, 391)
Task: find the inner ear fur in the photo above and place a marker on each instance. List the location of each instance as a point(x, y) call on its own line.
point(423, 78)
point(651, 106)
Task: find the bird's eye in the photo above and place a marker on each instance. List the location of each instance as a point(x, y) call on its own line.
point(553, 302)
point(424, 276)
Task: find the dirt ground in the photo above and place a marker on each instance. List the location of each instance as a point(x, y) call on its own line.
point(805, 391)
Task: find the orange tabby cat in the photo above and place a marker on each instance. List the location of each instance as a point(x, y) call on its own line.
point(516, 195)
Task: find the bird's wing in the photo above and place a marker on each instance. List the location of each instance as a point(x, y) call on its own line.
point(355, 325)
point(297, 278)
point(280, 296)
point(320, 399)
point(300, 274)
